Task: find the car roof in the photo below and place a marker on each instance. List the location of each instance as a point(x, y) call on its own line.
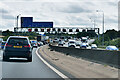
point(111, 46)
point(17, 37)
point(78, 41)
point(93, 44)
point(71, 40)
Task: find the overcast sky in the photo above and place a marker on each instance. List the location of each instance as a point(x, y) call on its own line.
point(63, 13)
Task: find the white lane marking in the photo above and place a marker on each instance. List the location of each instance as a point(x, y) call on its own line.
point(51, 67)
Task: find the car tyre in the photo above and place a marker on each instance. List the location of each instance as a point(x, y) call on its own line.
point(30, 59)
point(5, 58)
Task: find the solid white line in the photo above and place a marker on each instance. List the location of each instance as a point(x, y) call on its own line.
point(51, 67)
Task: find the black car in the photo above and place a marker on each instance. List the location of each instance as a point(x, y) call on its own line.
point(19, 47)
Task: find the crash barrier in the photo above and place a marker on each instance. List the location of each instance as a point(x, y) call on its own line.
point(111, 58)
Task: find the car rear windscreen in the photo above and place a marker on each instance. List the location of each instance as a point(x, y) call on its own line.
point(20, 41)
point(72, 42)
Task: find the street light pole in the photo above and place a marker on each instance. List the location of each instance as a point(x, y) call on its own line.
point(17, 22)
point(17, 19)
point(102, 26)
point(103, 29)
point(94, 24)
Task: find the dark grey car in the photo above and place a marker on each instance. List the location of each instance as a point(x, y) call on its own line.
point(19, 47)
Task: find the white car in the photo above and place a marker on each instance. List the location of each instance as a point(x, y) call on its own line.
point(61, 43)
point(56, 40)
point(83, 45)
point(78, 43)
point(65, 40)
point(71, 44)
point(93, 46)
point(112, 48)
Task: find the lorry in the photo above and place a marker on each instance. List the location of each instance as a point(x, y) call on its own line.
point(43, 38)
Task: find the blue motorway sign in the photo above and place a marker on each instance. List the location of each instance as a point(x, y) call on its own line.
point(27, 22)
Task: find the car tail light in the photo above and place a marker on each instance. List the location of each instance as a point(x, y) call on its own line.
point(7, 45)
point(27, 46)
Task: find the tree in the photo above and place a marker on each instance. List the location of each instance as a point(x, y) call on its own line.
point(7, 32)
point(118, 33)
point(84, 34)
point(112, 34)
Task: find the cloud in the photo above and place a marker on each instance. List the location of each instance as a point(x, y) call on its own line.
point(3, 11)
point(112, 3)
point(111, 21)
point(75, 20)
point(73, 8)
point(8, 16)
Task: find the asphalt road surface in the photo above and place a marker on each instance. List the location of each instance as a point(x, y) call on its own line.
point(19, 68)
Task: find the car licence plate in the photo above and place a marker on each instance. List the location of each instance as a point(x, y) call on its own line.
point(17, 46)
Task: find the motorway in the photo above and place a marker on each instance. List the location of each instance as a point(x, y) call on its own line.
point(19, 68)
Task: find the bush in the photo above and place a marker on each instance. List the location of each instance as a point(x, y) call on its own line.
point(5, 38)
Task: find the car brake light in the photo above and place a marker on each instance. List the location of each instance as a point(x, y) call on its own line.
point(27, 46)
point(8, 45)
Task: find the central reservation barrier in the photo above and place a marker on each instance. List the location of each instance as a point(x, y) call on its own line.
point(111, 58)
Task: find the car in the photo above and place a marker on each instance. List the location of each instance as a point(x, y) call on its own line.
point(71, 43)
point(65, 39)
point(60, 40)
point(112, 48)
point(83, 45)
point(61, 43)
point(62, 37)
point(56, 40)
point(3, 44)
point(18, 47)
point(34, 44)
point(75, 39)
point(44, 42)
point(93, 46)
point(78, 43)
point(40, 43)
point(51, 41)
point(69, 37)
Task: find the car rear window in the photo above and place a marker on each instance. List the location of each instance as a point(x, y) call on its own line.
point(21, 41)
point(71, 42)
